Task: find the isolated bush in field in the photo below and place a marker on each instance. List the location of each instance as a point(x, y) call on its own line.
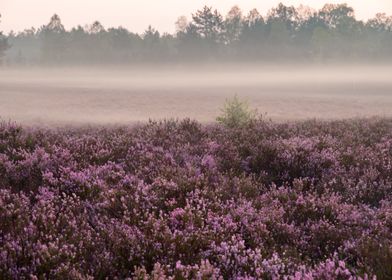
point(236, 113)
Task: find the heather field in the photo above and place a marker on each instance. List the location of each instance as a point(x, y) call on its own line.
point(184, 200)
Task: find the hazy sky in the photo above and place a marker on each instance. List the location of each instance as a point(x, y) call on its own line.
point(136, 15)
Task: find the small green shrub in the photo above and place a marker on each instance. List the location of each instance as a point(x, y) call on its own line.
point(236, 113)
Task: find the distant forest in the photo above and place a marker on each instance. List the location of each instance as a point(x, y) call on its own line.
point(285, 34)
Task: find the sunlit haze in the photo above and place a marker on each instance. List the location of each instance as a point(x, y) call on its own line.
point(137, 15)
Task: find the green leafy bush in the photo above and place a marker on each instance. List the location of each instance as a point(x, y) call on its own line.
point(236, 113)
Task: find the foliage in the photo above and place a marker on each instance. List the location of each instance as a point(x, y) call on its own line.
point(177, 200)
point(286, 33)
point(3, 45)
point(208, 24)
point(236, 113)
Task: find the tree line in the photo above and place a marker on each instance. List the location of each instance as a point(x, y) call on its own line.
point(285, 33)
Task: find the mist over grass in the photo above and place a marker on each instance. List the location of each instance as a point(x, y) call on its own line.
point(122, 95)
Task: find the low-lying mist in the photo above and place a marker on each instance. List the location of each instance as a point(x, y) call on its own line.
point(120, 95)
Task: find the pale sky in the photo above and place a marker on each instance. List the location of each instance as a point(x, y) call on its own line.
point(136, 15)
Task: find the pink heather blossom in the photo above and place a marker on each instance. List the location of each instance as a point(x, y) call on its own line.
point(181, 200)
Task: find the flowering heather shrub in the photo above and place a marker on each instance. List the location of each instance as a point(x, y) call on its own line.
point(178, 200)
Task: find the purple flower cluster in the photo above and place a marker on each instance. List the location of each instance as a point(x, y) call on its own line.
point(178, 200)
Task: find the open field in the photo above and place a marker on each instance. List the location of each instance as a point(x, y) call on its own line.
point(106, 96)
point(188, 199)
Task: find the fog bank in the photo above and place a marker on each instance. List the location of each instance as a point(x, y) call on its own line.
point(128, 95)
